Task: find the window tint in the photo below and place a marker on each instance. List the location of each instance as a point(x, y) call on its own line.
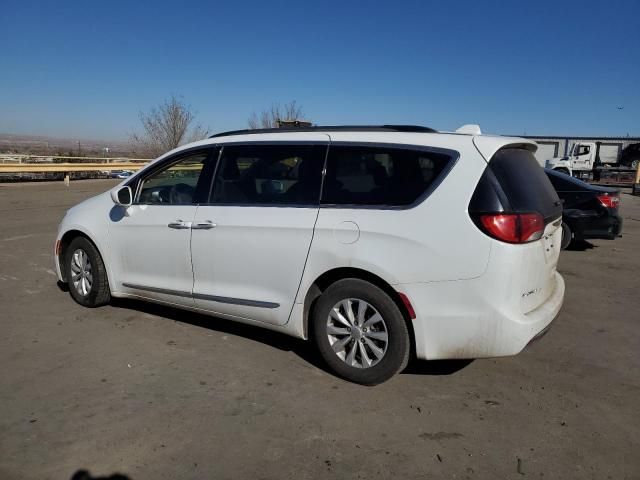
point(176, 184)
point(269, 174)
point(524, 183)
point(360, 175)
point(583, 150)
point(563, 182)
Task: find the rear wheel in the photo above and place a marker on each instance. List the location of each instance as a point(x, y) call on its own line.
point(360, 332)
point(86, 274)
point(567, 236)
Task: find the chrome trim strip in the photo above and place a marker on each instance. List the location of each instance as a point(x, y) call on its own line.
point(236, 301)
point(202, 296)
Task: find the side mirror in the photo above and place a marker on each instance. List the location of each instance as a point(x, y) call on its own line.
point(122, 196)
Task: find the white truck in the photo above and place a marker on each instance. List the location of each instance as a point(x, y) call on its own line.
point(585, 158)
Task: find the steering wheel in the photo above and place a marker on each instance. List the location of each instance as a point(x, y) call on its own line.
point(180, 194)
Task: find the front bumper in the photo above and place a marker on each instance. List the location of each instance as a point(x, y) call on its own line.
point(56, 259)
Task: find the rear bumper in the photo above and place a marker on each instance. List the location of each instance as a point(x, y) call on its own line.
point(461, 319)
point(541, 334)
point(607, 227)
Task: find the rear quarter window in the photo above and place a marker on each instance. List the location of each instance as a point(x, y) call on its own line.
point(381, 176)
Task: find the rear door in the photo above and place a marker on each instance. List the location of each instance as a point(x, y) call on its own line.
point(250, 241)
point(524, 188)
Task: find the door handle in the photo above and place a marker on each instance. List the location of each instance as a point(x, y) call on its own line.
point(179, 225)
point(206, 225)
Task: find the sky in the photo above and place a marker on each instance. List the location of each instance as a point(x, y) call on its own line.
point(86, 69)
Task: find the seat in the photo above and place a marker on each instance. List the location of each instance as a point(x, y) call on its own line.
point(307, 189)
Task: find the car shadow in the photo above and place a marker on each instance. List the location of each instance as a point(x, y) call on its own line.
point(257, 334)
point(85, 475)
point(299, 347)
point(435, 367)
point(580, 246)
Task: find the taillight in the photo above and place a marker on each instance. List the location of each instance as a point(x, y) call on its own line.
point(609, 201)
point(513, 227)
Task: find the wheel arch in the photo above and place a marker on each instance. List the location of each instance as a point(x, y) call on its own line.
point(65, 241)
point(329, 277)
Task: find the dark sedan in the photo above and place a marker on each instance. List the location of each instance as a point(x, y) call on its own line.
point(589, 211)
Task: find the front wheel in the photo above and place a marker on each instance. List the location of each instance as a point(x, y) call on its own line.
point(86, 274)
point(360, 332)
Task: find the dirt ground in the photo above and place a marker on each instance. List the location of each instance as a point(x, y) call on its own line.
point(156, 393)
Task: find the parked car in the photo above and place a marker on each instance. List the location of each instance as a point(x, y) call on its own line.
point(121, 174)
point(372, 242)
point(589, 211)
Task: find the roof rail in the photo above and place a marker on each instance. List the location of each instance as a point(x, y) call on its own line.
point(332, 128)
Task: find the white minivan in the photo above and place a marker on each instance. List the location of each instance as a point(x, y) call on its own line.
point(376, 243)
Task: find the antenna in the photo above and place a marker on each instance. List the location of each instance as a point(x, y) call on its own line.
point(470, 129)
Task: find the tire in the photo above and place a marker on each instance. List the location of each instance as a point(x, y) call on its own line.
point(361, 333)
point(567, 236)
point(562, 170)
point(92, 287)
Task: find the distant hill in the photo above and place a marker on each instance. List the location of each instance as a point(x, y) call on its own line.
point(44, 145)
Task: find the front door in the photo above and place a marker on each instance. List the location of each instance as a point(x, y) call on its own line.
point(250, 243)
point(583, 157)
point(153, 235)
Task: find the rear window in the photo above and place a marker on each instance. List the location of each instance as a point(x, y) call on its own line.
point(565, 183)
point(524, 183)
point(381, 176)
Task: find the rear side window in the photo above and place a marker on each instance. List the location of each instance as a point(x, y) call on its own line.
point(514, 181)
point(565, 183)
point(269, 174)
point(380, 176)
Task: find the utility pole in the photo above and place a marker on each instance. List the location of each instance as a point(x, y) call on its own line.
point(78, 147)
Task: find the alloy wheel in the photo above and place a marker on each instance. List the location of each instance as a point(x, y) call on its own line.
point(81, 274)
point(357, 333)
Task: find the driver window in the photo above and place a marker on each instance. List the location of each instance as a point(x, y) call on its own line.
point(174, 185)
point(583, 149)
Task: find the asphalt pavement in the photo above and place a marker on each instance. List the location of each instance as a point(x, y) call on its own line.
point(156, 393)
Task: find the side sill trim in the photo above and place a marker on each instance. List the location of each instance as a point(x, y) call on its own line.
point(202, 296)
point(166, 291)
point(236, 301)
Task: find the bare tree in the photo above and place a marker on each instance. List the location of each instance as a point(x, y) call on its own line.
point(166, 127)
point(269, 118)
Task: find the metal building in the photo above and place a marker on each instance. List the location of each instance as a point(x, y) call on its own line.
point(610, 147)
